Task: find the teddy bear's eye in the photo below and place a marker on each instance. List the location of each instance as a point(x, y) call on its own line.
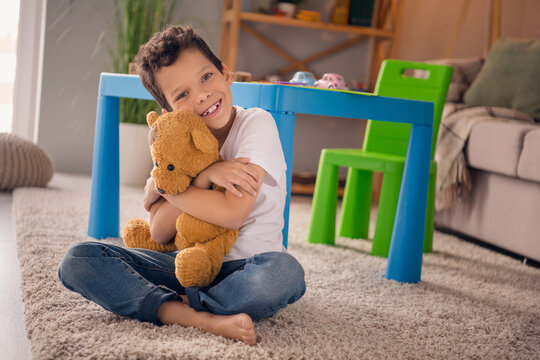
point(155, 164)
point(170, 167)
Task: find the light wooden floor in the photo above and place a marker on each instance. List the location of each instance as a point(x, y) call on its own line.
point(13, 340)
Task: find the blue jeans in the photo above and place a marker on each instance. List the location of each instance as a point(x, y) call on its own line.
point(135, 282)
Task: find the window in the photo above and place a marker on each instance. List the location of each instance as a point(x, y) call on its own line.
point(9, 21)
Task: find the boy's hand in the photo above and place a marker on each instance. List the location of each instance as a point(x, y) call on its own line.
point(150, 194)
point(231, 173)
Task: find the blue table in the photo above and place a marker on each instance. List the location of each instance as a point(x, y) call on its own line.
point(283, 101)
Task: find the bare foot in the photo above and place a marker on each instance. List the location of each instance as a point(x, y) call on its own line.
point(238, 327)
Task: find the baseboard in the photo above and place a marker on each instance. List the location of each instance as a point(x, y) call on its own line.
point(523, 259)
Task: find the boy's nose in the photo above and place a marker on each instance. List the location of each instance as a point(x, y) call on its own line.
point(203, 97)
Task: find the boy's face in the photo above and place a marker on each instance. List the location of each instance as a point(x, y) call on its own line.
point(192, 83)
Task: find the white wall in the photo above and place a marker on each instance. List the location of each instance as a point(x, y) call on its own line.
point(71, 69)
point(428, 26)
point(71, 64)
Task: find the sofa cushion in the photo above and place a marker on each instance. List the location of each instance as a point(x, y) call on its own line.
point(465, 70)
point(510, 78)
point(529, 162)
point(495, 144)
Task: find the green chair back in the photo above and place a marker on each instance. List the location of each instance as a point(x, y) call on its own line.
point(393, 138)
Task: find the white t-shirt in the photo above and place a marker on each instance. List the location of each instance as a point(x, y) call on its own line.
point(254, 135)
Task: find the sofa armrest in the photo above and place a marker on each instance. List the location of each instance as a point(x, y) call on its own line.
point(465, 71)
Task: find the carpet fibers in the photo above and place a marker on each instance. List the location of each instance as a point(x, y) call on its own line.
point(472, 303)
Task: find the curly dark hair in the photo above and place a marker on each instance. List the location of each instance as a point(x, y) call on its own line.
point(162, 50)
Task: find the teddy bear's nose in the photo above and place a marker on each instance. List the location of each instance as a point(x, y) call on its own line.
point(161, 191)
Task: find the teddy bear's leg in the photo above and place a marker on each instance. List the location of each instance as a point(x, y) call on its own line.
point(192, 267)
point(136, 234)
point(200, 264)
point(183, 239)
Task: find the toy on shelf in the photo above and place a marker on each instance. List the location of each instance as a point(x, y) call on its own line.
point(340, 12)
point(308, 15)
point(286, 8)
point(303, 78)
point(331, 81)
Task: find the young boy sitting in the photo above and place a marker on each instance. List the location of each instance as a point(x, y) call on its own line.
point(258, 276)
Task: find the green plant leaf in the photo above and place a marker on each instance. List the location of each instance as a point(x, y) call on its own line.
point(134, 23)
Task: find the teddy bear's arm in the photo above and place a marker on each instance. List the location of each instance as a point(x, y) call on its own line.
point(196, 230)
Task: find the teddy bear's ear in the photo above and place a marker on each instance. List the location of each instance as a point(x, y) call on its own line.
point(151, 118)
point(203, 141)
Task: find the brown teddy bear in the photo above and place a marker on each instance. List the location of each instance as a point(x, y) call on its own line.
point(182, 146)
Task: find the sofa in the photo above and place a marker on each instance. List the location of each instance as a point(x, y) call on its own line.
point(492, 115)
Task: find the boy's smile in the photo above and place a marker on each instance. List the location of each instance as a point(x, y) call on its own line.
point(192, 83)
point(212, 109)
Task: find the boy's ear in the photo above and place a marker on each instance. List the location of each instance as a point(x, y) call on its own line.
point(227, 73)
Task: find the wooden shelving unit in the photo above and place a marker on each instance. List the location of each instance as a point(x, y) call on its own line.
point(385, 35)
point(385, 41)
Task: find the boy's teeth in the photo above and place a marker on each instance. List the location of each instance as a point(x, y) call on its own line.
point(211, 110)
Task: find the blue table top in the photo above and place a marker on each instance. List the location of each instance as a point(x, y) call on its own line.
point(296, 99)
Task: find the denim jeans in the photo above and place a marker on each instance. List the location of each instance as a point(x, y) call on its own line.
point(135, 282)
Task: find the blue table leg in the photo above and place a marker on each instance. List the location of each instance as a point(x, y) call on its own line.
point(285, 125)
point(105, 198)
point(405, 256)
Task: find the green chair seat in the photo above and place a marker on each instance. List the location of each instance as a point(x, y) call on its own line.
point(367, 160)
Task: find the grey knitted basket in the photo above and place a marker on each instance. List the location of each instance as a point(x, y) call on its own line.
point(22, 163)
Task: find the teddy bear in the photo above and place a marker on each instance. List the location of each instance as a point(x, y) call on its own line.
point(182, 146)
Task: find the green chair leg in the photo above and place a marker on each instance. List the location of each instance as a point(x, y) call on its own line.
point(322, 228)
point(356, 206)
point(430, 211)
point(386, 213)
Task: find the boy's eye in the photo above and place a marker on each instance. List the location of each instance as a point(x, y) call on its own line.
point(207, 76)
point(181, 95)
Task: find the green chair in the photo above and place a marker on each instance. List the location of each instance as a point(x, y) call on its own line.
point(384, 149)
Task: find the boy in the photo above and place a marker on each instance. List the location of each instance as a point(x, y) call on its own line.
point(258, 277)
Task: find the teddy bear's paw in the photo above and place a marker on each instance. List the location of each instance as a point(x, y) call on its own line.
point(136, 234)
point(193, 268)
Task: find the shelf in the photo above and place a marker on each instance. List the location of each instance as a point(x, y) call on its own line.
point(384, 37)
point(283, 21)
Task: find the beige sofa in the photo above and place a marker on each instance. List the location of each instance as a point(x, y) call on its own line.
point(503, 160)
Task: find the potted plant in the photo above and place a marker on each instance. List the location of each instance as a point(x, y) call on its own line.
point(134, 22)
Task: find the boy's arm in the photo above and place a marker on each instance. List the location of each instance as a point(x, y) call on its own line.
point(231, 175)
point(216, 207)
point(163, 214)
point(163, 217)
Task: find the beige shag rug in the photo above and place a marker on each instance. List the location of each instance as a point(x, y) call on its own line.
point(472, 303)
